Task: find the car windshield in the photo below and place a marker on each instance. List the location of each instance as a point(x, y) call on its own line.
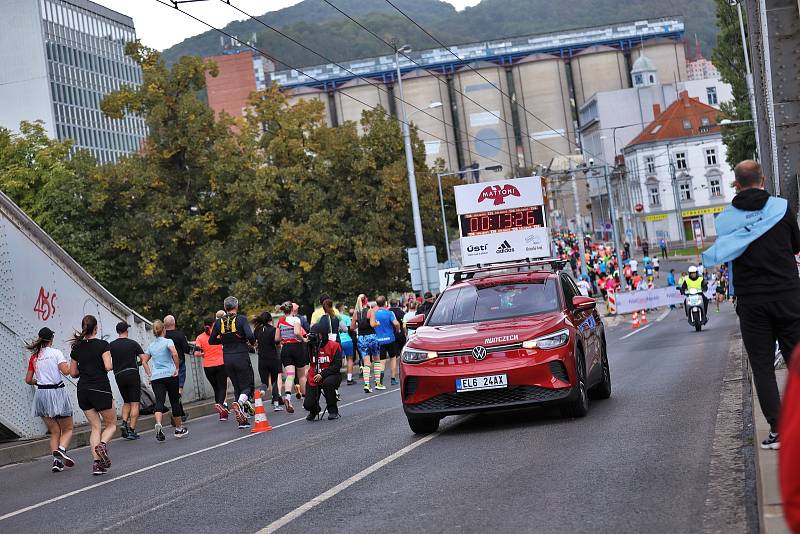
point(488, 302)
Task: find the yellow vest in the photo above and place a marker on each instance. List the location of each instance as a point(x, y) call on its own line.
point(694, 284)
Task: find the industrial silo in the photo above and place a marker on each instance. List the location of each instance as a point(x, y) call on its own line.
point(543, 108)
point(484, 117)
point(357, 95)
point(598, 68)
point(293, 96)
point(667, 55)
point(428, 107)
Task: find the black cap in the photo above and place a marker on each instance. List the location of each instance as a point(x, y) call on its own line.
point(323, 298)
point(46, 334)
point(122, 326)
point(428, 295)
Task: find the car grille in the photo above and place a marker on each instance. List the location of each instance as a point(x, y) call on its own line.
point(488, 398)
point(489, 350)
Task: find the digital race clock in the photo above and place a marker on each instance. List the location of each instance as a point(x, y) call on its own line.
point(491, 222)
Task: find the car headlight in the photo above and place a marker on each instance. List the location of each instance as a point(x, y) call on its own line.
point(550, 341)
point(417, 355)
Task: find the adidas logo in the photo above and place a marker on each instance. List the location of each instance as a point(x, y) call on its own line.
point(504, 247)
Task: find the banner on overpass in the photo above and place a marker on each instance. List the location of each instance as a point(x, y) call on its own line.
point(631, 301)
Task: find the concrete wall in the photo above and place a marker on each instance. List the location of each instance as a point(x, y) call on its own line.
point(295, 96)
point(599, 68)
point(436, 128)
point(490, 136)
point(24, 89)
point(541, 88)
point(364, 96)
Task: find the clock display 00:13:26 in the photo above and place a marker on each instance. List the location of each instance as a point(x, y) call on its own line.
point(501, 221)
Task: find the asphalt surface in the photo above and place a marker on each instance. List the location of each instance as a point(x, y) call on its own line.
point(639, 462)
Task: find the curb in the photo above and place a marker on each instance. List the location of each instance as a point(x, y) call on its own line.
point(25, 451)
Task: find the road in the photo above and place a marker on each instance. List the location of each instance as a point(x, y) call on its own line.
point(638, 462)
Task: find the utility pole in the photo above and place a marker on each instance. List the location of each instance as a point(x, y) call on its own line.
point(677, 198)
point(614, 228)
point(412, 179)
point(751, 94)
point(578, 222)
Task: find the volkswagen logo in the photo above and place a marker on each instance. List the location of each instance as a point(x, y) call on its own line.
point(479, 353)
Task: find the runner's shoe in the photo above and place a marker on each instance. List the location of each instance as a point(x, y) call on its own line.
point(58, 454)
point(771, 442)
point(241, 418)
point(132, 435)
point(181, 432)
point(351, 382)
point(332, 416)
point(394, 381)
point(367, 389)
point(297, 392)
point(58, 465)
point(97, 468)
point(160, 432)
point(380, 386)
point(382, 374)
point(102, 451)
point(276, 407)
point(222, 411)
point(288, 404)
point(338, 396)
point(247, 406)
point(312, 416)
point(123, 430)
point(244, 426)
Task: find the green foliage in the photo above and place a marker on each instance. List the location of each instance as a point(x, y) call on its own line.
point(317, 25)
point(728, 57)
point(272, 207)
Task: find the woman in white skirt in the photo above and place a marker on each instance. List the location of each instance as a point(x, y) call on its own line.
point(51, 402)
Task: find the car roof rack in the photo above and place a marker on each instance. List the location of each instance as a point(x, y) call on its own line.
point(555, 264)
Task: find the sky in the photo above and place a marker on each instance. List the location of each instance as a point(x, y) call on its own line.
point(160, 27)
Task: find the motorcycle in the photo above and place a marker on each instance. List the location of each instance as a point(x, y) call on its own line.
point(695, 313)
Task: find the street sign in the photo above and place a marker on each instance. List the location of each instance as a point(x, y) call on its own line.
point(607, 226)
point(432, 267)
point(629, 232)
point(502, 221)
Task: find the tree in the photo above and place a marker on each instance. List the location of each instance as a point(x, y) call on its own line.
point(728, 57)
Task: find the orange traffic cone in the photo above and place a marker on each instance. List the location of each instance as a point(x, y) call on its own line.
point(262, 425)
point(635, 320)
point(644, 317)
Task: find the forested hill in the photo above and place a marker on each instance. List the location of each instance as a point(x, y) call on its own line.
point(320, 27)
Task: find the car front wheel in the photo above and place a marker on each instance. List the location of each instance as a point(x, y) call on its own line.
point(603, 389)
point(579, 407)
point(423, 425)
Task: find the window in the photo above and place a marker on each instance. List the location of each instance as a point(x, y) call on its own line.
point(650, 163)
point(685, 190)
point(711, 156)
point(653, 195)
point(680, 161)
point(687, 124)
point(715, 187)
point(705, 122)
point(711, 96)
point(637, 79)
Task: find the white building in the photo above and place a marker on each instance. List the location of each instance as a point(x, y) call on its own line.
point(677, 173)
point(58, 59)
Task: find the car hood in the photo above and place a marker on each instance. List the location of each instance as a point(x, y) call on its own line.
point(487, 333)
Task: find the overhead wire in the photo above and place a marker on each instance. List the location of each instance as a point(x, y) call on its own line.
point(367, 80)
point(167, 3)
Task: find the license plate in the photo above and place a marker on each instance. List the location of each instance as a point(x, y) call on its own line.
point(481, 382)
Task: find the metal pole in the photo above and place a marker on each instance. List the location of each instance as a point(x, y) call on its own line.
point(749, 77)
point(444, 223)
point(614, 229)
point(412, 182)
point(676, 196)
point(578, 222)
point(769, 104)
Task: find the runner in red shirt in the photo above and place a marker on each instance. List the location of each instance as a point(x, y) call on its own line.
point(213, 367)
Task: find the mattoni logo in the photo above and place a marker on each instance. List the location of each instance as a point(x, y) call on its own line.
point(505, 247)
point(498, 194)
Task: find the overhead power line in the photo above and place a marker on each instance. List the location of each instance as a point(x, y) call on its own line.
point(172, 5)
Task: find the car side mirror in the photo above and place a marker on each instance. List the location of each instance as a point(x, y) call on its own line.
point(415, 322)
point(583, 303)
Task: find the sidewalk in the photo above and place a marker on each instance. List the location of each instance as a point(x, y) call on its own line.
point(26, 450)
point(769, 497)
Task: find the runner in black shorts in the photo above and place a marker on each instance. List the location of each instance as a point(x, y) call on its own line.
point(91, 362)
point(124, 352)
point(294, 357)
point(269, 363)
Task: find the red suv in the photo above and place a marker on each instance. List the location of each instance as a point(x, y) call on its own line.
point(504, 341)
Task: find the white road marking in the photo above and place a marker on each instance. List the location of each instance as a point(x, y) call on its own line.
point(165, 462)
point(626, 336)
point(319, 499)
point(663, 315)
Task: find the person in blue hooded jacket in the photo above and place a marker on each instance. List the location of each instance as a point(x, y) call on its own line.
point(758, 237)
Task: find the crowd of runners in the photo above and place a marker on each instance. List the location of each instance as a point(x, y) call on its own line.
point(299, 358)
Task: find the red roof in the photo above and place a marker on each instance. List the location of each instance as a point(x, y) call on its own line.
point(683, 118)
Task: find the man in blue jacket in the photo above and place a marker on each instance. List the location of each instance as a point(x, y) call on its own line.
point(758, 236)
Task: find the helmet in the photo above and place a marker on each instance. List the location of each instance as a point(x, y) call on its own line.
point(692, 269)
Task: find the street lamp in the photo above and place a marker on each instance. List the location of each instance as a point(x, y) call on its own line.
point(728, 122)
point(493, 168)
point(412, 179)
point(432, 105)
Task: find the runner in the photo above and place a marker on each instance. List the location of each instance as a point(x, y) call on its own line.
point(233, 332)
point(91, 362)
point(368, 346)
point(269, 363)
point(124, 352)
point(163, 363)
point(50, 401)
point(213, 367)
point(345, 322)
point(290, 334)
point(181, 345)
point(399, 338)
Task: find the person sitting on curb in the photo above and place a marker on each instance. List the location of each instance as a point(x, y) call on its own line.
point(324, 373)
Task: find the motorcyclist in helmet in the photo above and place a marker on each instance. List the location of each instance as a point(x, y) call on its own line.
point(695, 281)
